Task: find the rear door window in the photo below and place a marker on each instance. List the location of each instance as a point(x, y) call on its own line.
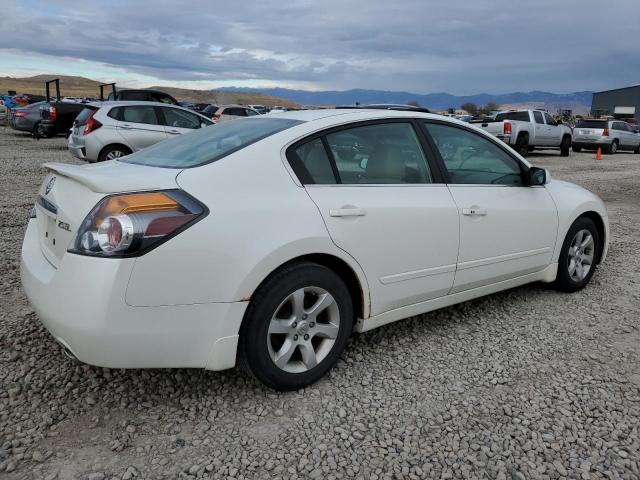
point(140, 114)
point(115, 113)
point(82, 117)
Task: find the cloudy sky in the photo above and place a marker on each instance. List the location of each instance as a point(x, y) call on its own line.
point(423, 46)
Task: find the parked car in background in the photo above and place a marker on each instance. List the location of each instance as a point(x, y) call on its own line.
point(261, 109)
point(526, 130)
point(152, 261)
point(141, 95)
point(610, 135)
point(110, 130)
point(56, 117)
point(26, 119)
point(231, 112)
point(209, 111)
point(199, 107)
point(277, 109)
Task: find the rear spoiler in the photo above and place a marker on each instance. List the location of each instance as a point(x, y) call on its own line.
point(75, 172)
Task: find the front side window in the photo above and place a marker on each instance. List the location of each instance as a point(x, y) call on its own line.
point(549, 119)
point(538, 117)
point(180, 119)
point(140, 114)
point(472, 159)
point(251, 113)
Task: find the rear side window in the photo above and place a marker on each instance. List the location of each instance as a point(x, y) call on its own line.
point(209, 144)
point(388, 153)
point(115, 113)
point(82, 117)
point(140, 114)
point(237, 112)
point(522, 116)
point(592, 124)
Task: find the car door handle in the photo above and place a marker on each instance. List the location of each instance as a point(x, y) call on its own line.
point(175, 132)
point(126, 127)
point(347, 212)
point(474, 211)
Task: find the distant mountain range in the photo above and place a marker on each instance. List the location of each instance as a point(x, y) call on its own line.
point(437, 101)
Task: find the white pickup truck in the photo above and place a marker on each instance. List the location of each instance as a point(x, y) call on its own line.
point(526, 130)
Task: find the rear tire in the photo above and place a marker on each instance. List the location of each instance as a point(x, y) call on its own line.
point(113, 152)
point(283, 342)
point(637, 150)
point(579, 255)
point(576, 149)
point(522, 145)
point(565, 145)
point(612, 149)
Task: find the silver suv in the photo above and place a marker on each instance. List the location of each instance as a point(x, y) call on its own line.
point(610, 135)
point(110, 130)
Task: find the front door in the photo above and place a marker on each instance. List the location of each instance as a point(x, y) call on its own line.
point(381, 204)
point(507, 229)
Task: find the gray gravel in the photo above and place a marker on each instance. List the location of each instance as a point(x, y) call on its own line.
point(524, 384)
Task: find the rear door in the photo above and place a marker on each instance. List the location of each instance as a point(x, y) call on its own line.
point(384, 204)
point(140, 126)
point(507, 229)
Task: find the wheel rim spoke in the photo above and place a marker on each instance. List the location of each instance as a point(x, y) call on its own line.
point(586, 242)
point(283, 355)
point(297, 303)
point(324, 301)
point(309, 357)
point(326, 330)
point(278, 326)
point(587, 259)
point(572, 267)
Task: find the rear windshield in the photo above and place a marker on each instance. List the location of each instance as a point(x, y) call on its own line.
point(209, 144)
point(81, 119)
point(523, 116)
point(592, 124)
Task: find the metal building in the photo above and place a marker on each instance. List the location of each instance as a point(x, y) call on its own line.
point(620, 103)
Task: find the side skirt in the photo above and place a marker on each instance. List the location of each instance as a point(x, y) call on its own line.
point(546, 275)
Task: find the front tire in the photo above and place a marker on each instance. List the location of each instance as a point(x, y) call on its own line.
point(296, 326)
point(565, 145)
point(579, 256)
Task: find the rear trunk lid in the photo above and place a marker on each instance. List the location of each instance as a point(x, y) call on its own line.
point(69, 193)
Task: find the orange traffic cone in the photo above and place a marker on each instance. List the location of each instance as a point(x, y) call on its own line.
point(599, 154)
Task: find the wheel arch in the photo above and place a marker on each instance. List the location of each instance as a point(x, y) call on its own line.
point(114, 144)
point(602, 231)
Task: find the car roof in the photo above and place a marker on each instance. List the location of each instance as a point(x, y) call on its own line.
point(120, 103)
point(354, 114)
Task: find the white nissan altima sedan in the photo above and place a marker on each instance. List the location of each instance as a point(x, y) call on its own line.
point(266, 241)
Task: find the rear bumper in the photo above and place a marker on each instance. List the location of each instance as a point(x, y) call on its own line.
point(82, 303)
point(591, 142)
point(78, 151)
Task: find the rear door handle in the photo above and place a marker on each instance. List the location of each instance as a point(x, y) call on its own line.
point(126, 127)
point(347, 212)
point(474, 211)
point(175, 132)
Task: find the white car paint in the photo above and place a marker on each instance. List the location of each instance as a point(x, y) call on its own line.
point(182, 303)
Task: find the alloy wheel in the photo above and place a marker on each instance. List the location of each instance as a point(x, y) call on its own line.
point(303, 330)
point(581, 255)
point(114, 154)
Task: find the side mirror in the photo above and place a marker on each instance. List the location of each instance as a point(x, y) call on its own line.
point(538, 176)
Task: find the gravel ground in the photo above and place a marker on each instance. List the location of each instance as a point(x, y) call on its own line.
point(528, 383)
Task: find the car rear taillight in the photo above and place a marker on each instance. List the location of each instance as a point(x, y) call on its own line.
point(605, 132)
point(507, 128)
point(53, 113)
point(131, 224)
point(91, 124)
point(215, 117)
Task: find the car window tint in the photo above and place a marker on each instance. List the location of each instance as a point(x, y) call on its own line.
point(472, 159)
point(549, 119)
point(250, 113)
point(538, 117)
point(238, 112)
point(115, 113)
point(311, 163)
point(379, 154)
point(522, 116)
point(140, 114)
point(181, 119)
